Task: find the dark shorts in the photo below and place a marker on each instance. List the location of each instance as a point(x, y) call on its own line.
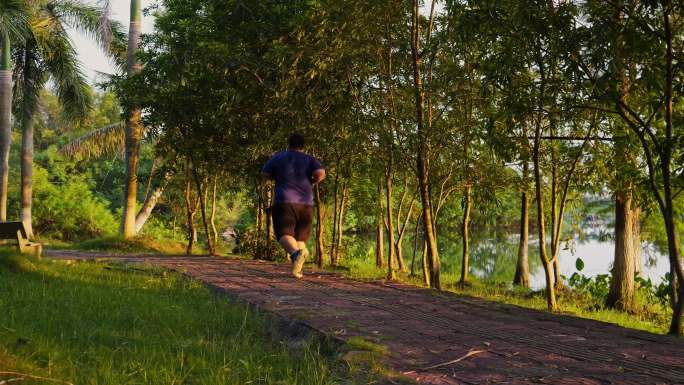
point(292, 219)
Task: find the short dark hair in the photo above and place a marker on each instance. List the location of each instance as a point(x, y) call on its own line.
point(296, 141)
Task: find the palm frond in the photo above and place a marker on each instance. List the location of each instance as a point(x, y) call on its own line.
point(95, 22)
point(106, 140)
point(106, 23)
point(14, 17)
point(61, 61)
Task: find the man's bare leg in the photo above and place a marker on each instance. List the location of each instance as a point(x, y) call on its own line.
point(289, 243)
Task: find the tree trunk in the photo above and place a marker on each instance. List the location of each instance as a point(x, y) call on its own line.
point(391, 259)
point(636, 237)
point(668, 206)
point(258, 253)
point(677, 283)
point(173, 227)
point(402, 226)
point(340, 222)
point(379, 232)
point(422, 158)
point(415, 249)
point(522, 267)
point(203, 211)
point(190, 214)
point(426, 267)
point(621, 293)
point(133, 128)
point(147, 208)
point(465, 231)
point(27, 174)
point(399, 250)
point(336, 204)
point(556, 220)
point(270, 234)
point(212, 218)
point(546, 264)
point(5, 123)
point(320, 245)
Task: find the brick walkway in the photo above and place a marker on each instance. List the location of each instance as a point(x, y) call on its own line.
point(422, 328)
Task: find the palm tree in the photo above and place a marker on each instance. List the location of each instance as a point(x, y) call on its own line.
point(133, 128)
point(13, 26)
point(47, 53)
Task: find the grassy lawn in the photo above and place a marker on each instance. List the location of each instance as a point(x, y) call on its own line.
point(119, 245)
point(90, 323)
point(650, 317)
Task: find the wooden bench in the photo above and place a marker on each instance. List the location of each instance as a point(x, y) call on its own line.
point(17, 231)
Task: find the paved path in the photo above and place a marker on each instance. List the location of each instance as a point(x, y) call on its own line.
point(423, 328)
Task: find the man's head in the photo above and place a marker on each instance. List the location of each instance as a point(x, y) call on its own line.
point(296, 142)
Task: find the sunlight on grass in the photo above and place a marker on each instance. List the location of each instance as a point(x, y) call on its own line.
point(139, 244)
point(109, 324)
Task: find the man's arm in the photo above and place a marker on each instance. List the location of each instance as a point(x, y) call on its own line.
point(318, 176)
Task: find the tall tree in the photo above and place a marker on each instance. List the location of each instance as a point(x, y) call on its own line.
point(633, 70)
point(423, 137)
point(133, 127)
point(13, 27)
point(47, 53)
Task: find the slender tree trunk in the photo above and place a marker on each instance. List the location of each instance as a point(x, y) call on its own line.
point(147, 208)
point(173, 227)
point(203, 211)
point(190, 213)
point(422, 158)
point(546, 264)
point(389, 172)
point(333, 244)
point(556, 218)
point(27, 174)
point(415, 249)
point(621, 293)
point(258, 254)
point(402, 226)
point(399, 250)
point(379, 232)
point(665, 159)
point(320, 230)
point(133, 128)
point(465, 230)
point(212, 218)
point(636, 237)
point(391, 261)
point(677, 283)
point(5, 123)
point(522, 268)
point(270, 233)
point(426, 267)
point(340, 222)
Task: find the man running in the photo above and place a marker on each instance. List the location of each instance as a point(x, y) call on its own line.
point(294, 173)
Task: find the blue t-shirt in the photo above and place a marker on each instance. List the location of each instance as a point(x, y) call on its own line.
point(292, 172)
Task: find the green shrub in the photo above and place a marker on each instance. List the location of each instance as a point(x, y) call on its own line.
point(69, 210)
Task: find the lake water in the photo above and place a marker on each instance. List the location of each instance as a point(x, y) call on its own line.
point(598, 257)
point(493, 257)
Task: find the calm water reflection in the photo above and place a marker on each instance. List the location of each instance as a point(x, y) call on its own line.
point(493, 256)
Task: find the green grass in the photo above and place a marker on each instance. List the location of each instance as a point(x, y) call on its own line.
point(117, 244)
point(103, 324)
point(649, 317)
